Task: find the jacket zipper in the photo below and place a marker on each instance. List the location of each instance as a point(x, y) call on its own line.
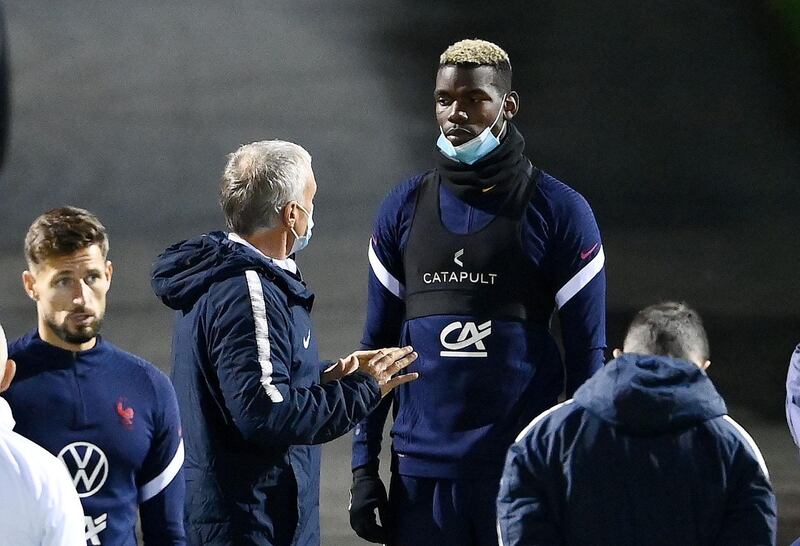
point(80, 407)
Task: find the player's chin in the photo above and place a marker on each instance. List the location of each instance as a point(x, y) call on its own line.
point(83, 334)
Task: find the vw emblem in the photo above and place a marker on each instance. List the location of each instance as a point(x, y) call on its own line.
point(88, 466)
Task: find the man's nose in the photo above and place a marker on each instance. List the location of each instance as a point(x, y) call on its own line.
point(457, 114)
point(81, 293)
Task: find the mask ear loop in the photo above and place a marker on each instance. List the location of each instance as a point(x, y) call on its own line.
point(500, 113)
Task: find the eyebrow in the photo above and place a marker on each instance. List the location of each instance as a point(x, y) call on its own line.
point(473, 91)
point(62, 272)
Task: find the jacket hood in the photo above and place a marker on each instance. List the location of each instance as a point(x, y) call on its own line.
point(647, 394)
point(185, 270)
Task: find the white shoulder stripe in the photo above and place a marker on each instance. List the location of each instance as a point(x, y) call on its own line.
point(581, 279)
point(387, 279)
point(262, 335)
point(539, 417)
point(749, 439)
point(160, 482)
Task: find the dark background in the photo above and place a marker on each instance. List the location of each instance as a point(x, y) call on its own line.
point(678, 120)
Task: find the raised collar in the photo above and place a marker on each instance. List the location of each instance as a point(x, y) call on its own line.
point(36, 346)
point(287, 264)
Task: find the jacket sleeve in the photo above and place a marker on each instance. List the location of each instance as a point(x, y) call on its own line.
point(580, 287)
point(161, 485)
point(750, 507)
point(525, 514)
point(793, 396)
point(385, 309)
point(249, 347)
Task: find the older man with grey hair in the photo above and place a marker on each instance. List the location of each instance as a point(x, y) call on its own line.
point(255, 399)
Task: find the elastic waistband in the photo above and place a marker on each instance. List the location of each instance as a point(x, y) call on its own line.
point(421, 468)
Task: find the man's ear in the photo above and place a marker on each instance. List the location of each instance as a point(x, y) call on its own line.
point(617, 353)
point(29, 283)
point(109, 270)
point(288, 214)
point(7, 375)
point(511, 105)
point(705, 365)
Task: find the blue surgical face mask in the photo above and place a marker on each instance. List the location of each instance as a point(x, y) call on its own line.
point(474, 149)
point(301, 241)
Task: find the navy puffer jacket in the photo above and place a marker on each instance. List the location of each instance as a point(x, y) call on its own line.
point(247, 375)
point(643, 454)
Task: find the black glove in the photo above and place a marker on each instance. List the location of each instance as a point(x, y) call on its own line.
point(366, 495)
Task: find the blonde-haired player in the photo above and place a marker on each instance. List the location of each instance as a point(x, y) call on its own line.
point(469, 260)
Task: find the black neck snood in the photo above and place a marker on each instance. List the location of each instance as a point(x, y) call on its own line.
point(501, 170)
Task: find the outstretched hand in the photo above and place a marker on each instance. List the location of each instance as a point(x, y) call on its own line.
point(384, 365)
point(342, 367)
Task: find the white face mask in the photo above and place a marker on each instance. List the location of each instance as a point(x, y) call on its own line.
point(301, 241)
point(474, 149)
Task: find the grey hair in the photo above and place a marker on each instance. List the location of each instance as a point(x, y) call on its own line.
point(669, 329)
point(259, 179)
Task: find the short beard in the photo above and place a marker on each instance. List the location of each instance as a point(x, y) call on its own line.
point(84, 335)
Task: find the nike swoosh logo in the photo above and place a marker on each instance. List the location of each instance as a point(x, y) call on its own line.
point(585, 254)
point(307, 340)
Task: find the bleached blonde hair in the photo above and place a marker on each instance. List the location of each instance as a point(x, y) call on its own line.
point(475, 51)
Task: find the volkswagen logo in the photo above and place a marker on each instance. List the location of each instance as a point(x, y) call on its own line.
point(88, 466)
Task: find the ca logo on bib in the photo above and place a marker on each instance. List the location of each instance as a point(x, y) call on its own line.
point(471, 336)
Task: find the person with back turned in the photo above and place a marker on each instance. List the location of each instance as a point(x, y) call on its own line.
point(644, 453)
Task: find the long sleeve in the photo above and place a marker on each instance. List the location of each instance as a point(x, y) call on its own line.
point(249, 337)
point(579, 280)
point(384, 315)
point(161, 483)
point(386, 285)
point(385, 311)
